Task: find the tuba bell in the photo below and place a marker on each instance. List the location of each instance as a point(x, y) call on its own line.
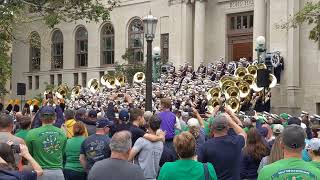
point(214, 102)
point(252, 69)
point(139, 77)
point(213, 93)
point(226, 85)
point(261, 66)
point(121, 79)
point(272, 80)
point(224, 79)
point(232, 91)
point(244, 88)
point(233, 103)
point(62, 91)
point(93, 85)
point(240, 72)
point(249, 79)
point(75, 91)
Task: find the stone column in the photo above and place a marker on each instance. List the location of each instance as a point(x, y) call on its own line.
point(187, 33)
point(293, 58)
point(259, 22)
point(199, 32)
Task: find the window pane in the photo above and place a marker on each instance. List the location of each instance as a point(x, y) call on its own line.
point(136, 39)
point(251, 21)
point(238, 22)
point(232, 21)
point(245, 22)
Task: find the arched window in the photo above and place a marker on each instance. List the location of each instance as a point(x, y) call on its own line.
point(81, 47)
point(107, 44)
point(57, 50)
point(35, 51)
point(135, 35)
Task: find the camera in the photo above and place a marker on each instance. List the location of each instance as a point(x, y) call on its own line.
point(15, 148)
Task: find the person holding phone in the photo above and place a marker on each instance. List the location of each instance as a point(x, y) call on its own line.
point(8, 169)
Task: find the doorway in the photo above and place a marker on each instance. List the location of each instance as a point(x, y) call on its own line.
point(240, 36)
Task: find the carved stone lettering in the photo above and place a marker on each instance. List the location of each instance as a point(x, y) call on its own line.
point(241, 3)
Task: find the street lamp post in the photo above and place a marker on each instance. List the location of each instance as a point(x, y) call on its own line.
point(260, 47)
point(150, 24)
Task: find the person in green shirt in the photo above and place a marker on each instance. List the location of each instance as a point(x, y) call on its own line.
point(25, 125)
point(186, 168)
point(292, 166)
point(314, 151)
point(47, 144)
point(73, 170)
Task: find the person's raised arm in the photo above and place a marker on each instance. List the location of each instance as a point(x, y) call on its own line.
point(25, 153)
point(239, 131)
point(233, 116)
point(196, 113)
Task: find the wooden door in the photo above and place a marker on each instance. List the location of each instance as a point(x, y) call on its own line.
point(241, 50)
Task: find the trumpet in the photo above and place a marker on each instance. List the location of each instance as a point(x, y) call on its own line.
point(93, 85)
point(139, 77)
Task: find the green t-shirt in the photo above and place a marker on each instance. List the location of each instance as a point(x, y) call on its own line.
point(185, 170)
point(290, 169)
point(315, 164)
point(22, 134)
point(207, 125)
point(72, 153)
point(46, 144)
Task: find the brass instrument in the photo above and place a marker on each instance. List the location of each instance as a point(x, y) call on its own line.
point(233, 103)
point(273, 81)
point(214, 102)
point(108, 81)
point(62, 91)
point(261, 66)
point(93, 85)
point(213, 93)
point(121, 79)
point(224, 79)
point(244, 88)
point(226, 85)
point(249, 79)
point(232, 92)
point(240, 72)
point(75, 91)
point(252, 69)
point(139, 77)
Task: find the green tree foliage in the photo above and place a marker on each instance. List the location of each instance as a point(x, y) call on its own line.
point(309, 14)
point(51, 12)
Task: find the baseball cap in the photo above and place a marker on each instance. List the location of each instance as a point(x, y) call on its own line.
point(284, 116)
point(193, 122)
point(124, 115)
point(92, 113)
point(294, 136)
point(48, 110)
point(102, 123)
point(314, 144)
point(220, 123)
point(277, 129)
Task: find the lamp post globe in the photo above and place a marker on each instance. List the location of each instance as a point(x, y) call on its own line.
point(261, 40)
point(149, 25)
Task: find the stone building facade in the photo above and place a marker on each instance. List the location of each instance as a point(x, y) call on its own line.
point(192, 31)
